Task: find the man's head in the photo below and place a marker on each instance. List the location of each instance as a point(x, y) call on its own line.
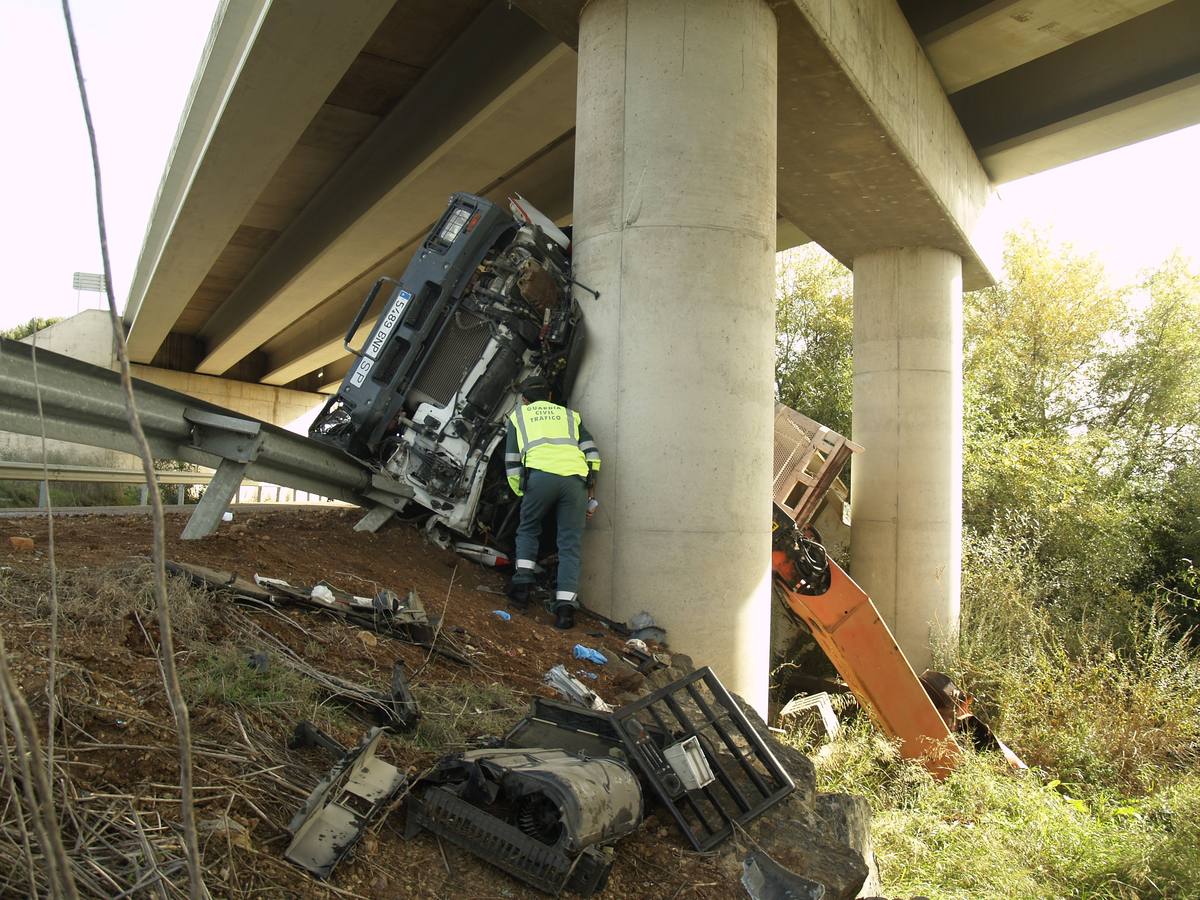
point(534, 389)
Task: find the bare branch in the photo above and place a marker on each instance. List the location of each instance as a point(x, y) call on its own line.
point(166, 637)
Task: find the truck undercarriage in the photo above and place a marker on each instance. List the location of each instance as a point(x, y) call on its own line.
point(485, 303)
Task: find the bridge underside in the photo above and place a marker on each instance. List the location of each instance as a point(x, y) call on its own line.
point(296, 183)
point(319, 146)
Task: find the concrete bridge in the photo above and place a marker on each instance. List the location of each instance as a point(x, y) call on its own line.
point(686, 141)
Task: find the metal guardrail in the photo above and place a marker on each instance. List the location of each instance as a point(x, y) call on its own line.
point(26, 471)
point(182, 479)
point(84, 404)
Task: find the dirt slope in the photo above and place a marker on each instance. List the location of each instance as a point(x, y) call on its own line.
point(115, 739)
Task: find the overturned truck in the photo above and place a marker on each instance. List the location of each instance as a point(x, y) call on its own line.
point(485, 303)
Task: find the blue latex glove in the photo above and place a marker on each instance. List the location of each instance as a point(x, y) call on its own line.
point(582, 652)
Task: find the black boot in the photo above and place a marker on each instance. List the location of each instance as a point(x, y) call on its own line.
point(518, 596)
point(564, 617)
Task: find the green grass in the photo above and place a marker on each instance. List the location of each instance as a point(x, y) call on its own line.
point(221, 675)
point(987, 832)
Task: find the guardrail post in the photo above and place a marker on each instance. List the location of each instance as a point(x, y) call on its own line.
point(225, 482)
point(180, 493)
point(43, 494)
point(144, 495)
point(374, 520)
point(237, 441)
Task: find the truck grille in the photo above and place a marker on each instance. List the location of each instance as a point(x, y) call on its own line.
point(459, 349)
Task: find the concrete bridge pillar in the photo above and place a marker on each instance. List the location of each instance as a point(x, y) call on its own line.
point(906, 493)
point(675, 183)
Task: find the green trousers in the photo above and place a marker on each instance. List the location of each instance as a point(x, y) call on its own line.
point(567, 496)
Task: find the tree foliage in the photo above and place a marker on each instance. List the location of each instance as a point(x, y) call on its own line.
point(1081, 404)
point(814, 324)
point(37, 323)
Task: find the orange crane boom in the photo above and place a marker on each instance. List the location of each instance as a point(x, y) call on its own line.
point(847, 626)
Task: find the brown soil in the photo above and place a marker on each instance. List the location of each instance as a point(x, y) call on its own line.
point(117, 734)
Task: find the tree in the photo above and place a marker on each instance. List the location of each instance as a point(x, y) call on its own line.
point(1081, 404)
point(1148, 392)
point(814, 324)
point(1033, 340)
point(37, 323)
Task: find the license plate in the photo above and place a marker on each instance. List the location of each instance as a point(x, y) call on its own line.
point(375, 347)
point(360, 374)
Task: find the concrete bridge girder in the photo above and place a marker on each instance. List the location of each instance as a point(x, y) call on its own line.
point(458, 124)
point(242, 120)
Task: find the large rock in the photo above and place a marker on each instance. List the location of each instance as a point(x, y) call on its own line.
point(790, 836)
point(847, 820)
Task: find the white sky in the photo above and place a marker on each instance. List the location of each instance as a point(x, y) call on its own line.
point(1132, 206)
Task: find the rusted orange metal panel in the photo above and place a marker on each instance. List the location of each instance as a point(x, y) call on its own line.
point(858, 642)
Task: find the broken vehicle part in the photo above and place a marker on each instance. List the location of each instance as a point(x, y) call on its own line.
point(356, 791)
point(544, 816)
point(485, 303)
point(748, 779)
point(569, 727)
point(808, 559)
point(954, 706)
point(573, 689)
point(848, 627)
point(807, 460)
point(765, 879)
point(839, 614)
point(644, 628)
point(396, 708)
point(386, 612)
point(821, 703)
point(308, 735)
point(687, 760)
point(482, 554)
point(641, 658)
point(506, 846)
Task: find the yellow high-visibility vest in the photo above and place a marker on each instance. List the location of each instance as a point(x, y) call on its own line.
point(548, 438)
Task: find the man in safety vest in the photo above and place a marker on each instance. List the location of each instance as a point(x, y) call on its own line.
point(551, 462)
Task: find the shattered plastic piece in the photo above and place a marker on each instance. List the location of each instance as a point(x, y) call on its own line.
point(765, 879)
point(582, 652)
point(637, 644)
point(487, 556)
point(687, 760)
point(820, 702)
point(541, 815)
point(749, 779)
point(589, 675)
point(356, 791)
point(322, 593)
point(501, 614)
point(569, 727)
point(573, 689)
point(20, 543)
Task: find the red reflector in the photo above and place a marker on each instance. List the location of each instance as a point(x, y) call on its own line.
point(473, 222)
